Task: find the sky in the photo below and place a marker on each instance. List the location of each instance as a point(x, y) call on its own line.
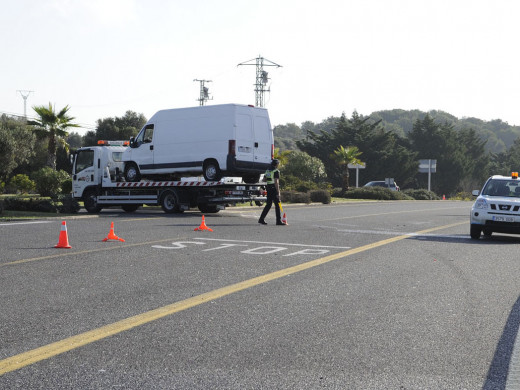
point(105, 57)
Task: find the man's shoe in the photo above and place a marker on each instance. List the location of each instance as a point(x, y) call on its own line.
point(281, 223)
point(261, 221)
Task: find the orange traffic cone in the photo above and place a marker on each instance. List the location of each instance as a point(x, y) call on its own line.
point(63, 241)
point(111, 234)
point(443, 197)
point(284, 219)
point(203, 226)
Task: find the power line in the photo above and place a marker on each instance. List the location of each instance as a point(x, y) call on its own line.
point(81, 125)
point(25, 94)
point(204, 92)
point(261, 78)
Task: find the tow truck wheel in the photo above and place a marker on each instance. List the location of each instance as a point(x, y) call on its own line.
point(208, 208)
point(211, 171)
point(90, 202)
point(475, 231)
point(251, 179)
point(170, 203)
point(132, 172)
point(130, 208)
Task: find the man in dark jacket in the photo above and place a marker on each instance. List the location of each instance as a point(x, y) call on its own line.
point(272, 178)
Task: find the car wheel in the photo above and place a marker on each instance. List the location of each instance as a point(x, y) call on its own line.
point(475, 231)
point(487, 232)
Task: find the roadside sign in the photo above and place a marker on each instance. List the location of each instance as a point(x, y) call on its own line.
point(427, 166)
point(357, 167)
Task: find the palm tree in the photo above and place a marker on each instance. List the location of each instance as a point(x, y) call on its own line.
point(344, 157)
point(282, 156)
point(52, 126)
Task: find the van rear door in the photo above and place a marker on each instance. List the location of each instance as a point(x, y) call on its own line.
point(245, 147)
point(263, 142)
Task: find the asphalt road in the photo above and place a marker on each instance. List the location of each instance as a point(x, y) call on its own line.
point(362, 295)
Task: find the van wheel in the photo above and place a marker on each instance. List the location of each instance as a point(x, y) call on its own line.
point(251, 179)
point(170, 202)
point(211, 171)
point(90, 202)
point(132, 172)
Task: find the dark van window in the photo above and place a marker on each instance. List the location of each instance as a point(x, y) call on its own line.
point(146, 135)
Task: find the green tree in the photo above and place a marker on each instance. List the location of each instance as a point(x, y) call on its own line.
point(16, 145)
point(343, 157)
point(304, 167)
point(384, 152)
point(282, 156)
point(432, 140)
point(52, 125)
point(22, 183)
point(116, 128)
point(49, 182)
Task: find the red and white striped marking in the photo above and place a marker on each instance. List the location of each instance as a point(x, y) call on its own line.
point(169, 184)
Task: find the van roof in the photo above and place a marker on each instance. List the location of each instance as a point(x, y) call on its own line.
point(223, 108)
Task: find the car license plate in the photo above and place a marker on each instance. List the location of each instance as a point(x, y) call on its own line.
point(503, 219)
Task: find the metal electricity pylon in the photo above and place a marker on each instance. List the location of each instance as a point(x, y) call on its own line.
point(261, 78)
point(204, 92)
point(25, 95)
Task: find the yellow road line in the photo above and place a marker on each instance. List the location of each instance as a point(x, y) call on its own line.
point(50, 350)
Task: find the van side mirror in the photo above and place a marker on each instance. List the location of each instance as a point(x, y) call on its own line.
point(132, 142)
point(475, 192)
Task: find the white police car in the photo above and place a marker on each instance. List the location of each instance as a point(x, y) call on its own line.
point(497, 208)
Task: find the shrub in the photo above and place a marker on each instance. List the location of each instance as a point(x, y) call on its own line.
point(66, 186)
point(376, 193)
point(295, 197)
point(337, 192)
point(29, 204)
point(66, 204)
point(322, 196)
point(464, 196)
point(422, 194)
point(49, 182)
point(22, 183)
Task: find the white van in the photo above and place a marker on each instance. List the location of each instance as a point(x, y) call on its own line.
point(220, 140)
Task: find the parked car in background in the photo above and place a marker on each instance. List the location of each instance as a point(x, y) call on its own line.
point(382, 183)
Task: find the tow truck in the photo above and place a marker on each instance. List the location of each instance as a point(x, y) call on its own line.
point(98, 181)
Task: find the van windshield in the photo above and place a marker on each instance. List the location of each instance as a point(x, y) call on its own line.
point(500, 187)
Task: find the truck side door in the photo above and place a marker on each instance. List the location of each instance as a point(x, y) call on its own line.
point(143, 148)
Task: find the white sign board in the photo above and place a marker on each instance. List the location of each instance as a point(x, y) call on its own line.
point(357, 167)
point(427, 166)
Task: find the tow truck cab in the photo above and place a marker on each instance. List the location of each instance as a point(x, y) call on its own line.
point(89, 163)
